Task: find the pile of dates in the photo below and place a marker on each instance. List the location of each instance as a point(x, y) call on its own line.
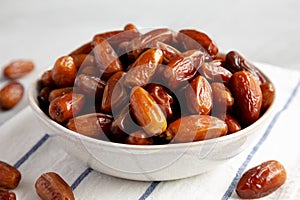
point(157, 87)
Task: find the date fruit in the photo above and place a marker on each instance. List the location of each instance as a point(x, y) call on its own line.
point(199, 96)
point(64, 72)
point(182, 68)
point(232, 123)
point(59, 92)
point(139, 138)
point(268, 95)
point(247, 95)
point(9, 176)
point(51, 186)
point(66, 107)
point(261, 180)
point(147, 112)
point(18, 69)
point(236, 62)
point(7, 195)
point(164, 98)
point(95, 125)
point(114, 94)
point(222, 98)
point(10, 95)
point(143, 69)
point(201, 38)
point(106, 58)
point(196, 128)
point(212, 71)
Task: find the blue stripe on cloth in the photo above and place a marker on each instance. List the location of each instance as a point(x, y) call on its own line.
point(31, 151)
point(235, 180)
point(149, 190)
point(81, 177)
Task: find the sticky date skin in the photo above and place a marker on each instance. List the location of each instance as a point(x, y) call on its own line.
point(51, 186)
point(7, 195)
point(261, 180)
point(10, 95)
point(9, 176)
point(247, 96)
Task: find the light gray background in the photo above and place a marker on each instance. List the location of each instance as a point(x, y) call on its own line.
point(262, 30)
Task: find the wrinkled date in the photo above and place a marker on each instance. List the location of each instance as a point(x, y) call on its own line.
point(151, 88)
point(9, 176)
point(10, 95)
point(236, 62)
point(95, 125)
point(51, 186)
point(261, 180)
point(199, 96)
point(106, 58)
point(183, 68)
point(194, 36)
point(143, 69)
point(7, 195)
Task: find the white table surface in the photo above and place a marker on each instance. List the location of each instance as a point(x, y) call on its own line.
point(263, 31)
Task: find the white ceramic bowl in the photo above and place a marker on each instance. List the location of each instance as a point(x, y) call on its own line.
point(152, 162)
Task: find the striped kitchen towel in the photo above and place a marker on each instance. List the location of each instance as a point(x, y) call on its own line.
point(24, 144)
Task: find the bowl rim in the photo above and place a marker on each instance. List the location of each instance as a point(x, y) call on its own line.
point(32, 92)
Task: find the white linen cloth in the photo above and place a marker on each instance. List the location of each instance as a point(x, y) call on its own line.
point(24, 144)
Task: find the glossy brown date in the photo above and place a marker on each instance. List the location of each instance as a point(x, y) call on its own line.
point(18, 68)
point(7, 195)
point(81, 60)
point(59, 92)
point(181, 69)
point(123, 125)
point(93, 86)
point(143, 69)
point(130, 27)
point(83, 49)
point(64, 72)
point(232, 123)
point(9, 176)
point(169, 52)
point(261, 180)
point(139, 138)
point(199, 96)
point(114, 94)
point(46, 79)
point(213, 71)
point(236, 62)
point(95, 125)
point(222, 97)
point(66, 107)
point(106, 58)
point(164, 98)
point(147, 112)
point(196, 128)
point(51, 186)
point(10, 95)
point(148, 40)
point(247, 96)
point(268, 95)
point(201, 38)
